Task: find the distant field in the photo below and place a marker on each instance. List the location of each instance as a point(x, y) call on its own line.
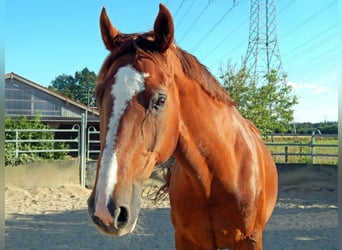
point(302, 149)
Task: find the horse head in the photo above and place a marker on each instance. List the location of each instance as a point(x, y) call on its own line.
point(139, 120)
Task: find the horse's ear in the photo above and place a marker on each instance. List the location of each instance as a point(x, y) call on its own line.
point(163, 29)
point(108, 31)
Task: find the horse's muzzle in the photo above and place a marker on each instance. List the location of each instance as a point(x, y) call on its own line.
point(121, 223)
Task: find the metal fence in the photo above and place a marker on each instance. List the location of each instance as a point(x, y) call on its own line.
point(19, 143)
point(85, 144)
point(75, 138)
point(285, 148)
point(93, 143)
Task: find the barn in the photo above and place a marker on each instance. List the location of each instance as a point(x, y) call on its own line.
point(27, 98)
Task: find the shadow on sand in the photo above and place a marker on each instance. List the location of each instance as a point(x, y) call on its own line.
point(305, 218)
point(74, 230)
point(289, 228)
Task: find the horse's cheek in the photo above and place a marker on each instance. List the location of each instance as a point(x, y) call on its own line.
point(169, 134)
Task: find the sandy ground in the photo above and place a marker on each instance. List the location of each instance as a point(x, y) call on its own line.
point(56, 218)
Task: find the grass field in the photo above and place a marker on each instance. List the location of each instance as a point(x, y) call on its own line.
point(303, 149)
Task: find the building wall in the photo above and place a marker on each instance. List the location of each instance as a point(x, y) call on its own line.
point(23, 100)
point(26, 98)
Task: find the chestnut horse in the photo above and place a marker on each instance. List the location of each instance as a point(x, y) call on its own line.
point(155, 101)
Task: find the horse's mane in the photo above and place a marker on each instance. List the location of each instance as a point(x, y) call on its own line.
point(199, 73)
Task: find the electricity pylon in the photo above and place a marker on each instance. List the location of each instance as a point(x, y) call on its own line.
point(263, 52)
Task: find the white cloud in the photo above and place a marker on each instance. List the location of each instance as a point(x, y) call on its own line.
point(317, 102)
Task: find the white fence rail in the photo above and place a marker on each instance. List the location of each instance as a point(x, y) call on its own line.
point(294, 148)
point(19, 142)
point(85, 144)
point(77, 143)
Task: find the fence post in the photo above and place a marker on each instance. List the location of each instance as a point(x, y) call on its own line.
point(83, 150)
point(16, 144)
point(286, 153)
point(313, 144)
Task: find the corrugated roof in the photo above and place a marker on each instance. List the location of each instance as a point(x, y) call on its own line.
point(35, 85)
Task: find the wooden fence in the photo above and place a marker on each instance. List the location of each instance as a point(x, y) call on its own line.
point(294, 148)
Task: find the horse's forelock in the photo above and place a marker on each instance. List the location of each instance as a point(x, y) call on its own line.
point(131, 46)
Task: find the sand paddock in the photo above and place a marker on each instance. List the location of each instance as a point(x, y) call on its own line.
point(56, 217)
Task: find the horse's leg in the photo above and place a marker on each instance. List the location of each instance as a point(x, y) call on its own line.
point(182, 243)
point(253, 242)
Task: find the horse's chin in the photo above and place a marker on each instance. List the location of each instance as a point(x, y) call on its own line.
point(111, 231)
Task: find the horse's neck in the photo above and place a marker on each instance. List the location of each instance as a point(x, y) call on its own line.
point(205, 117)
point(207, 129)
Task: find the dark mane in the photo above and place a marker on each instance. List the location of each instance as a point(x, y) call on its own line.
point(198, 72)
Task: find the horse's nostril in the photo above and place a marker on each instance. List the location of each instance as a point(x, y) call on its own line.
point(120, 214)
point(123, 215)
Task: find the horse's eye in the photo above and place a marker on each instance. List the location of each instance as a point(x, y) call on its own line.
point(159, 102)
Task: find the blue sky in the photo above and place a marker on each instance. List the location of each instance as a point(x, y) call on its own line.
point(44, 39)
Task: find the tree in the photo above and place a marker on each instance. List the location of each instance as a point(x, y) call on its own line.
point(79, 87)
point(325, 127)
point(269, 106)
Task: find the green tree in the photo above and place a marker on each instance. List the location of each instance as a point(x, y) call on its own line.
point(269, 106)
point(79, 87)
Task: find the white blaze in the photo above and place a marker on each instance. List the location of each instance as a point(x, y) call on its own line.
point(128, 82)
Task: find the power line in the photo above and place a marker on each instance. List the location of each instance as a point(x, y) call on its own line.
point(328, 75)
point(225, 38)
point(286, 7)
point(186, 13)
point(195, 21)
point(323, 58)
point(313, 16)
point(237, 45)
point(263, 54)
point(236, 29)
point(319, 92)
point(319, 71)
point(240, 43)
point(178, 9)
point(214, 26)
point(310, 90)
point(312, 39)
point(331, 53)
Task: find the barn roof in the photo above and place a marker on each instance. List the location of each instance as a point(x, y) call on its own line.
point(71, 110)
point(51, 92)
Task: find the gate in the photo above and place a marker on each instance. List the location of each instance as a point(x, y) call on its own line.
point(83, 143)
